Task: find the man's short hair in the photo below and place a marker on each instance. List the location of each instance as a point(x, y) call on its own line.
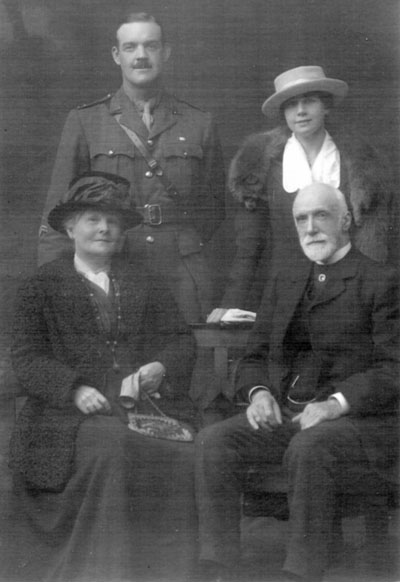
point(340, 198)
point(130, 16)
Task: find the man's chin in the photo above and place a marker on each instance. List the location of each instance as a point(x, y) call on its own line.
point(316, 253)
point(145, 78)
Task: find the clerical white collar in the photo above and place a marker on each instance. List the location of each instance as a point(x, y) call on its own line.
point(296, 171)
point(99, 277)
point(337, 256)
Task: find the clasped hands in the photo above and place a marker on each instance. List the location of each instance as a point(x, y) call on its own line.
point(89, 400)
point(264, 412)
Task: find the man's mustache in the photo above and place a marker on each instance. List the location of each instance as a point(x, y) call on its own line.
point(141, 65)
point(309, 240)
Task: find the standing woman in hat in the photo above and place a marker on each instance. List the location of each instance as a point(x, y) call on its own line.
point(100, 502)
point(270, 167)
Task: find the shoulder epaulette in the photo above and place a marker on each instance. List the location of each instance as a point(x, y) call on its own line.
point(97, 102)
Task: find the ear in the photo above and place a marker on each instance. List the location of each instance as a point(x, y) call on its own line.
point(70, 232)
point(347, 221)
point(69, 228)
point(166, 52)
point(115, 55)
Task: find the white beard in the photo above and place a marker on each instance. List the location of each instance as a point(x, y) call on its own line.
point(319, 252)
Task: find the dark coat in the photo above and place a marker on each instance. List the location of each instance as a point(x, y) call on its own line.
point(354, 331)
point(58, 346)
point(266, 236)
point(183, 139)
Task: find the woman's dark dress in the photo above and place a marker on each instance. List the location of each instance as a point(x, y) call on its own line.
point(98, 502)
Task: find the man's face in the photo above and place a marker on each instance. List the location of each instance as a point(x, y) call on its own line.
point(305, 114)
point(321, 222)
point(140, 53)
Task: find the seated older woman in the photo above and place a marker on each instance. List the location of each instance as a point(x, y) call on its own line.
point(101, 502)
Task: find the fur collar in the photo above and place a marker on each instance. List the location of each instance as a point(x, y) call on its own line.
point(367, 185)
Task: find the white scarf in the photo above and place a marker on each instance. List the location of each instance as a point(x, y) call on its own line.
point(297, 172)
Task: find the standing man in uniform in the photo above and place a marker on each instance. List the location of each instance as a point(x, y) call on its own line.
point(178, 184)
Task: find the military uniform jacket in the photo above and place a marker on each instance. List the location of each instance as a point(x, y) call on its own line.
point(182, 139)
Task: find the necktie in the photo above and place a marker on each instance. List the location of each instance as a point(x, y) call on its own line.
point(147, 117)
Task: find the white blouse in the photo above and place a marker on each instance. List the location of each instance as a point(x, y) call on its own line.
point(297, 172)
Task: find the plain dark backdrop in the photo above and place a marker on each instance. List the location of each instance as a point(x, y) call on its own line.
point(56, 55)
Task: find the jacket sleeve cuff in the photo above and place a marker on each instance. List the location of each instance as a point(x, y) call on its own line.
point(257, 389)
point(344, 405)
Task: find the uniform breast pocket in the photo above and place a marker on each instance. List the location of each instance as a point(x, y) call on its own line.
point(184, 161)
point(115, 159)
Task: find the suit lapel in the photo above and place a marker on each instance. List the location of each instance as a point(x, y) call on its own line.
point(333, 289)
point(291, 290)
point(165, 115)
point(123, 106)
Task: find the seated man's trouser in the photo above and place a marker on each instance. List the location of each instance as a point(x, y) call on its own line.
point(321, 462)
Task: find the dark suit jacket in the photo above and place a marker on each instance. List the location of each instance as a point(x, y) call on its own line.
point(59, 346)
point(354, 331)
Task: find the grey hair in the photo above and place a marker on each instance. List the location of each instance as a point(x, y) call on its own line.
point(338, 194)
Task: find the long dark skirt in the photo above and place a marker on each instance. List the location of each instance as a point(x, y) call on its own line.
point(127, 513)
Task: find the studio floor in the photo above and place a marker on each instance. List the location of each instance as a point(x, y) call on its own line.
point(263, 537)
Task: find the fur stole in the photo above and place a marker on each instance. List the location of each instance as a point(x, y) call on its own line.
point(368, 190)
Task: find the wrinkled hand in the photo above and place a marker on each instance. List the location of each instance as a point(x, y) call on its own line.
point(90, 401)
point(318, 412)
point(151, 377)
point(216, 315)
point(264, 411)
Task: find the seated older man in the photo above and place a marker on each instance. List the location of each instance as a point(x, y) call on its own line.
point(321, 377)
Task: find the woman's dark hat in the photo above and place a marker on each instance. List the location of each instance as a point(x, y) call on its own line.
point(299, 81)
point(97, 191)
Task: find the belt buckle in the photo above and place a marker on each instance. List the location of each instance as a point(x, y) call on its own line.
point(153, 214)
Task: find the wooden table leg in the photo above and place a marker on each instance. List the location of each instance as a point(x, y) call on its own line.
point(221, 362)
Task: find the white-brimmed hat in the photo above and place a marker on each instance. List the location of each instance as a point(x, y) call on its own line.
point(302, 80)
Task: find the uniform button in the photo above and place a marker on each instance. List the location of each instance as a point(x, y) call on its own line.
point(185, 154)
point(321, 278)
point(149, 174)
point(150, 143)
point(110, 152)
point(150, 239)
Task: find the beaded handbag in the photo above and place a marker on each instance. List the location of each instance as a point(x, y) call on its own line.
point(159, 426)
